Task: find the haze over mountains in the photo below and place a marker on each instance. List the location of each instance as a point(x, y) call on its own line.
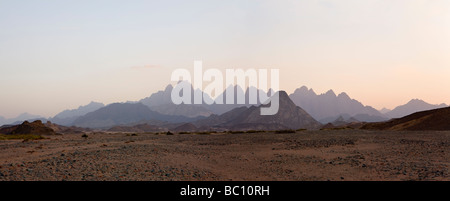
point(19, 119)
point(328, 106)
point(301, 109)
point(412, 106)
point(161, 102)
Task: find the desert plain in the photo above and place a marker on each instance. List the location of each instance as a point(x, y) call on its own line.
point(321, 155)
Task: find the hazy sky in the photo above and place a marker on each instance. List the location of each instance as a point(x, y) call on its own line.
point(57, 54)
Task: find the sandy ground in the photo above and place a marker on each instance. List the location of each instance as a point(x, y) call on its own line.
point(305, 155)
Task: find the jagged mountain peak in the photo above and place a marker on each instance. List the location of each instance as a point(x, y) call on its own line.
point(305, 90)
point(302, 89)
point(344, 95)
point(416, 101)
point(168, 88)
point(330, 93)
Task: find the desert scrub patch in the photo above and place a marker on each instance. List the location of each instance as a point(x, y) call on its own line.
point(205, 133)
point(131, 134)
point(255, 131)
point(284, 131)
point(21, 137)
point(236, 132)
point(337, 128)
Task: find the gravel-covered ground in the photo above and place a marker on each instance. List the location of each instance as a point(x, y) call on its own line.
point(305, 155)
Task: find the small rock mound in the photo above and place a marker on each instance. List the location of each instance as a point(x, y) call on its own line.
point(35, 127)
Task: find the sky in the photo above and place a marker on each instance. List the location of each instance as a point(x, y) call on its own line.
point(60, 54)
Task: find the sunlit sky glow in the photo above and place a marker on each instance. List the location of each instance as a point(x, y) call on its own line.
point(57, 55)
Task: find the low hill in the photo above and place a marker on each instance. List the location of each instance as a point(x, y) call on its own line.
point(35, 127)
point(437, 119)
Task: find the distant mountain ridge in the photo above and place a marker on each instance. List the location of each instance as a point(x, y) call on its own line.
point(161, 102)
point(414, 105)
point(384, 110)
point(67, 117)
point(21, 118)
point(330, 106)
point(238, 91)
point(80, 111)
point(158, 98)
point(122, 114)
point(302, 109)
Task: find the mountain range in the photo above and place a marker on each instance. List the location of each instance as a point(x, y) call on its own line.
point(161, 102)
point(328, 106)
point(300, 109)
point(289, 116)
